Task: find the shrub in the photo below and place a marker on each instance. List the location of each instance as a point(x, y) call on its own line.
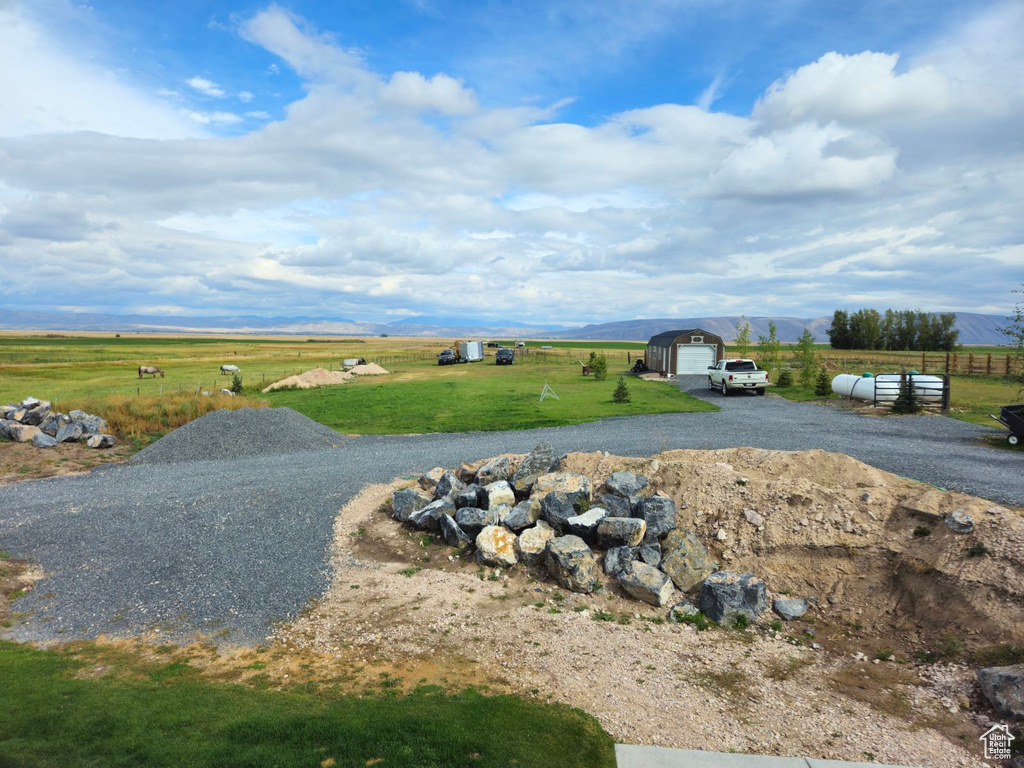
point(906, 401)
point(785, 378)
point(598, 366)
point(823, 384)
point(621, 394)
point(921, 531)
point(236, 383)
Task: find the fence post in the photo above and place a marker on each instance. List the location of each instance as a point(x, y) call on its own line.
point(970, 363)
point(947, 363)
point(955, 365)
point(988, 365)
point(924, 361)
point(1007, 365)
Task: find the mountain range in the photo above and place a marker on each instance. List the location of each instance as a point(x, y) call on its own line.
point(974, 328)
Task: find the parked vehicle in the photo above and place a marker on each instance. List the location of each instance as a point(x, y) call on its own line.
point(447, 358)
point(493, 345)
point(737, 375)
point(520, 343)
point(470, 351)
point(505, 356)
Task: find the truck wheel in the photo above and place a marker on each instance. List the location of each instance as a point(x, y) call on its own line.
point(725, 390)
point(760, 390)
point(711, 385)
point(1012, 439)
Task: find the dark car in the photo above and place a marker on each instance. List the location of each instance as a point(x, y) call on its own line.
point(505, 356)
point(493, 345)
point(447, 358)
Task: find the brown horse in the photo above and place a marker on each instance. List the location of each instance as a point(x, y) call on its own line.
point(150, 369)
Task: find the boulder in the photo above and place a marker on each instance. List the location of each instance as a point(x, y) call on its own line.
point(91, 425)
point(405, 502)
point(619, 559)
point(685, 559)
point(753, 517)
point(1004, 688)
point(69, 433)
point(620, 532)
point(467, 471)
point(556, 508)
point(494, 471)
point(496, 545)
point(626, 484)
point(571, 563)
point(453, 534)
point(30, 402)
point(429, 518)
point(18, 414)
point(585, 525)
point(43, 440)
point(725, 595)
point(22, 433)
point(532, 542)
point(790, 608)
point(537, 463)
point(682, 611)
point(7, 410)
point(53, 422)
point(498, 494)
point(651, 554)
point(34, 417)
point(616, 505)
point(522, 515)
point(5, 429)
point(658, 512)
point(100, 441)
point(448, 485)
point(469, 496)
point(959, 521)
point(472, 520)
point(576, 487)
point(646, 583)
point(428, 481)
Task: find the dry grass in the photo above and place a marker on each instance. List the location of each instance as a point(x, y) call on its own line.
point(785, 669)
point(885, 687)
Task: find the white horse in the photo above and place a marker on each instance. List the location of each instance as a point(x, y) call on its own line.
point(230, 369)
point(150, 370)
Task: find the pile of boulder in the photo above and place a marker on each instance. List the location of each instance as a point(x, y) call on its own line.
point(538, 515)
point(34, 421)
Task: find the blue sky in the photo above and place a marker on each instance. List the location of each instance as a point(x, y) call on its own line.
point(599, 161)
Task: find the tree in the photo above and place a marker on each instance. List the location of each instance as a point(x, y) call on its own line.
point(768, 350)
point(839, 331)
point(236, 383)
point(785, 378)
point(598, 366)
point(742, 341)
point(823, 385)
point(807, 356)
point(1015, 330)
point(621, 393)
point(906, 401)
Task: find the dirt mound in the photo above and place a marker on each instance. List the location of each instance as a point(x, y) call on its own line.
point(367, 369)
point(244, 432)
point(318, 377)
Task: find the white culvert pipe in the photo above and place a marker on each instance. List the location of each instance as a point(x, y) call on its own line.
point(885, 387)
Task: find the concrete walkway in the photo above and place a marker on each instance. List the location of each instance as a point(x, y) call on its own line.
point(630, 756)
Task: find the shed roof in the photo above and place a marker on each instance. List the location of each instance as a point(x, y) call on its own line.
point(667, 337)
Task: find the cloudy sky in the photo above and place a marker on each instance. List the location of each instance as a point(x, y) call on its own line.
point(541, 161)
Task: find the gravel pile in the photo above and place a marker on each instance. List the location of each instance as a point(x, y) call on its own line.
point(243, 432)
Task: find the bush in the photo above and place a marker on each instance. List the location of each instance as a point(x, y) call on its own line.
point(598, 366)
point(621, 394)
point(236, 383)
point(823, 384)
point(785, 378)
point(906, 401)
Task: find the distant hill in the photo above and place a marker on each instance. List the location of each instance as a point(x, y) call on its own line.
point(974, 328)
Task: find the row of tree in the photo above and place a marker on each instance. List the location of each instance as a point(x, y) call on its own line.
point(896, 330)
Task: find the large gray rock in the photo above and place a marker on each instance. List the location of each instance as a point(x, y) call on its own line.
point(647, 583)
point(69, 433)
point(7, 410)
point(1004, 688)
point(576, 487)
point(725, 595)
point(31, 402)
point(682, 611)
point(651, 554)
point(616, 505)
point(685, 559)
point(496, 545)
point(428, 481)
point(453, 534)
point(472, 520)
point(43, 440)
point(537, 463)
point(626, 484)
point(5, 429)
point(470, 496)
point(620, 532)
point(100, 441)
point(403, 503)
point(53, 422)
point(22, 433)
point(619, 559)
point(35, 415)
point(429, 518)
point(790, 608)
point(498, 494)
point(18, 414)
point(448, 485)
point(91, 425)
point(494, 471)
point(658, 512)
point(585, 525)
point(522, 515)
point(571, 563)
point(532, 543)
point(959, 521)
point(556, 508)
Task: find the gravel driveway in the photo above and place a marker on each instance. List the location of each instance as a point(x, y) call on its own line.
point(231, 546)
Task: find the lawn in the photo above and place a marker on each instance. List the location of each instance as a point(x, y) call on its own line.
point(422, 397)
point(171, 717)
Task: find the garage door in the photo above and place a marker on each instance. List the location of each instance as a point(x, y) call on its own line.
point(694, 358)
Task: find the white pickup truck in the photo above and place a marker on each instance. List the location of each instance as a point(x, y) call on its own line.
point(737, 374)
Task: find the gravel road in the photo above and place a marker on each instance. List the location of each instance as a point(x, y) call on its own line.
point(231, 546)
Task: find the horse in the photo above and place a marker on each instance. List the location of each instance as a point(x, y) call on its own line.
point(230, 369)
point(150, 369)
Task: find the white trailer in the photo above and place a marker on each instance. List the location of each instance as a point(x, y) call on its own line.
point(471, 351)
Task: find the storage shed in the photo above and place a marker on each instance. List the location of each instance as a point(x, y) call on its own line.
point(684, 352)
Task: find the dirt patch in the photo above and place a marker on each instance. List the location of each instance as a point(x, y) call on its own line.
point(17, 577)
point(399, 595)
point(318, 377)
point(23, 461)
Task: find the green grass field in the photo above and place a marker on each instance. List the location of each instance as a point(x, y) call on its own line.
point(172, 717)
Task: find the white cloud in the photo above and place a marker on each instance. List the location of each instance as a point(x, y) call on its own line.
point(441, 93)
point(206, 87)
point(245, 97)
point(258, 114)
point(214, 118)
